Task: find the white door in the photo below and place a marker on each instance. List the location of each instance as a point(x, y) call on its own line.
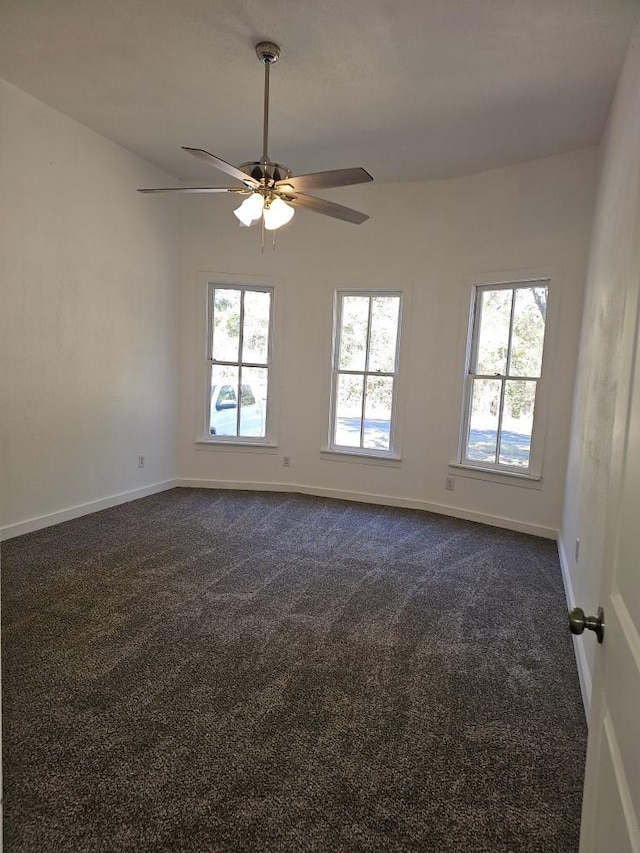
point(611, 807)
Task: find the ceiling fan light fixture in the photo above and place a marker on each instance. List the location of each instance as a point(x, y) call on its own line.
point(277, 213)
point(251, 209)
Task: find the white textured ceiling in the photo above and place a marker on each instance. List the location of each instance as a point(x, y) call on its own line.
point(409, 89)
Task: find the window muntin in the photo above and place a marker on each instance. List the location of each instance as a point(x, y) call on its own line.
point(503, 372)
point(239, 362)
point(365, 370)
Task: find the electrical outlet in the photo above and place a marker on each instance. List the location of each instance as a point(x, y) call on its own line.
point(286, 461)
point(140, 461)
point(577, 549)
point(450, 484)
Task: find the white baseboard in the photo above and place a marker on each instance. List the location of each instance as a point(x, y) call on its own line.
point(385, 500)
point(31, 524)
point(584, 673)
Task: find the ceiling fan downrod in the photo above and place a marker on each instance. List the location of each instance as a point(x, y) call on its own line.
point(265, 170)
point(267, 52)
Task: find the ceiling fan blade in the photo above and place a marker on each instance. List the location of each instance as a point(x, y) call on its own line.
point(217, 163)
point(329, 208)
point(195, 190)
point(325, 180)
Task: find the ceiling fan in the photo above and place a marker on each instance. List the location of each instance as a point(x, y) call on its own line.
point(271, 191)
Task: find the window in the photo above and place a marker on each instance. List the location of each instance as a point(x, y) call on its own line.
point(365, 370)
point(504, 366)
point(239, 359)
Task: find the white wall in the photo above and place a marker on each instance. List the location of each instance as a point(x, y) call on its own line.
point(430, 239)
point(605, 355)
point(88, 300)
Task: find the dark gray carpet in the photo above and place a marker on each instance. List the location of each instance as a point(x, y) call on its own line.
point(227, 671)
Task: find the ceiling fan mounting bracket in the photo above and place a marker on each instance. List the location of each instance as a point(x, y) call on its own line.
point(268, 52)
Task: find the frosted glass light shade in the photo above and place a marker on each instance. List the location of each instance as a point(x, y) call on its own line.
point(277, 214)
point(250, 209)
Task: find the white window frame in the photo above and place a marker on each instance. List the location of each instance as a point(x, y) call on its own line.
point(212, 286)
point(534, 469)
point(393, 451)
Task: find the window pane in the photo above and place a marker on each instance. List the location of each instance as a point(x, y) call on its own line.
point(255, 340)
point(348, 416)
point(495, 317)
point(384, 332)
point(377, 412)
point(353, 337)
point(226, 324)
point(528, 331)
point(223, 416)
point(517, 423)
point(253, 402)
point(483, 422)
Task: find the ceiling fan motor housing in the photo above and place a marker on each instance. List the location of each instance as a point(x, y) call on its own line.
point(269, 172)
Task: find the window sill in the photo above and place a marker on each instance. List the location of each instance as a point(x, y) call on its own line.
point(505, 478)
point(236, 445)
point(360, 457)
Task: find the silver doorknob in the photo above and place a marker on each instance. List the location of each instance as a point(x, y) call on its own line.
point(578, 622)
